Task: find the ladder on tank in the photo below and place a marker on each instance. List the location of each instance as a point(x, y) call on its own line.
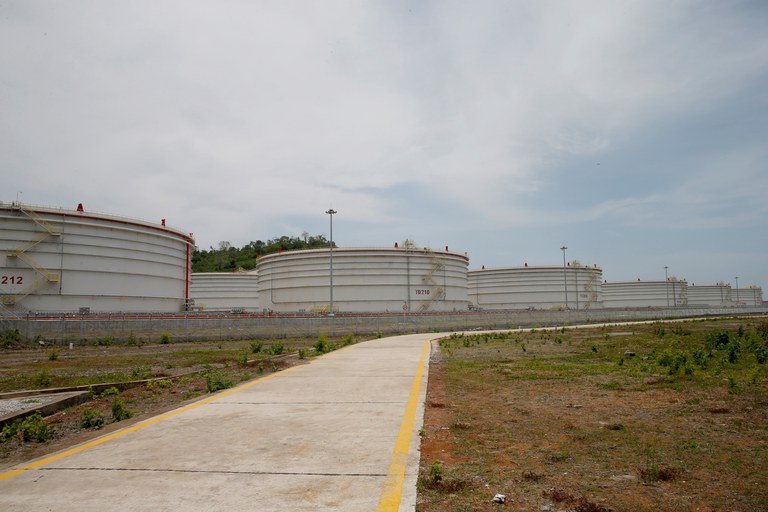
point(44, 276)
point(437, 292)
point(592, 292)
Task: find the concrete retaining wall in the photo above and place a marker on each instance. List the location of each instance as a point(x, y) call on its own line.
point(193, 327)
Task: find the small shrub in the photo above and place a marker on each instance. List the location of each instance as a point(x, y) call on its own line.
point(165, 338)
point(41, 379)
point(733, 386)
point(35, 428)
point(762, 330)
point(9, 339)
point(256, 346)
point(9, 431)
point(31, 428)
point(436, 473)
point(277, 349)
point(113, 391)
point(302, 353)
point(104, 341)
point(761, 354)
point(718, 340)
point(530, 476)
point(119, 411)
point(652, 473)
point(141, 372)
point(734, 350)
point(215, 381)
point(673, 360)
point(701, 358)
point(53, 354)
point(557, 457)
point(90, 418)
point(348, 340)
point(321, 345)
point(584, 505)
point(560, 495)
point(159, 384)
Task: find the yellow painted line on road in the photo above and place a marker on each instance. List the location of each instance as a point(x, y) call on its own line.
point(146, 423)
point(389, 500)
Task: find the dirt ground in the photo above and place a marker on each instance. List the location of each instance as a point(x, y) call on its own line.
point(588, 420)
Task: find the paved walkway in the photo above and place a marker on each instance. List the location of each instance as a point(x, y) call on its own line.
point(340, 433)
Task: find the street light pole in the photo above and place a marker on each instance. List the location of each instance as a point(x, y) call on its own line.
point(565, 277)
point(666, 283)
point(331, 212)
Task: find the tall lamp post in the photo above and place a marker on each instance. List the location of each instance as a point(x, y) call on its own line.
point(737, 290)
point(331, 212)
point(666, 283)
point(565, 278)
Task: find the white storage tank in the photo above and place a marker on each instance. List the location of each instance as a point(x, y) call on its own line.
point(536, 287)
point(750, 296)
point(224, 291)
point(642, 294)
point(60, 260)
point(716, 295)
point(364, 280)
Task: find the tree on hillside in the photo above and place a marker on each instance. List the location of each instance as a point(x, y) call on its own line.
point(228, 258)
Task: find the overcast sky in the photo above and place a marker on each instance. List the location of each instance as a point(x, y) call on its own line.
point(633, 132)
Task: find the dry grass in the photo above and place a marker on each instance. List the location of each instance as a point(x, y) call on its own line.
point(568, 421)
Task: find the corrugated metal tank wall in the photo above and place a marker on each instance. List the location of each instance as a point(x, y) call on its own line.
point(639, 294)
point(536, 287)
point(719, 294)
point(364, 280)
point(752, 295)
point(224, 291)
point(64, 260)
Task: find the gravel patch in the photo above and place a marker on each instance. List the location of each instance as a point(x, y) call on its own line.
point(13, 405)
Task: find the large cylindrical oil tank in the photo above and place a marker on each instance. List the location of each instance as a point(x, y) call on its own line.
point(224, 291)
point(60, 260)
point(364, 280)
point(641, 294)
point(750, 296)
point(716, 295)
point(536, 287)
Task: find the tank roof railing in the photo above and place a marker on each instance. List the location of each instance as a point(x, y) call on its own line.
point(376, 248)
point(107, 216)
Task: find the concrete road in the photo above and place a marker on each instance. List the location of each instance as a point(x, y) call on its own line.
point(339, 433)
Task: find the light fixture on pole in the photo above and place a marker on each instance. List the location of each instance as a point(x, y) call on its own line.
point(565, 279)
point(331, 212)
point(666, 283)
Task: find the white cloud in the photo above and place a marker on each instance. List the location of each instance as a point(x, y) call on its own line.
point(232, 116)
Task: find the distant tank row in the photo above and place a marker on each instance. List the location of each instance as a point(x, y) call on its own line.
point(60, 260)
